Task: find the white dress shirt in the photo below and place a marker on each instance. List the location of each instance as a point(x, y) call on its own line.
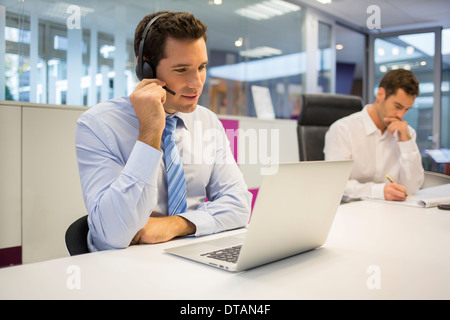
point(124, 182)
point(375, 154)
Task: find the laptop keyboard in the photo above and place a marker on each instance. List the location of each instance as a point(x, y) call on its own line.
point(228, 254)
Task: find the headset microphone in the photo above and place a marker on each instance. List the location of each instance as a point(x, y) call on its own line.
point(169, 90)
point(143, 69)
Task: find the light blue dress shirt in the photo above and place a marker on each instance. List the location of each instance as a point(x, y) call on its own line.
point(123, 180)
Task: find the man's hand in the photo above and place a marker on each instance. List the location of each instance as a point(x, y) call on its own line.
point(148, 99)
point(162, 229)
point(394, 192)
point(394, 124)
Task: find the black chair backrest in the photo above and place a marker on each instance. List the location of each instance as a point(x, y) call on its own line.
point(76, 237)
point(318, 112)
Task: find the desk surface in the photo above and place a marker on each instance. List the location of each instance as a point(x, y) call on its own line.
point(374, 251)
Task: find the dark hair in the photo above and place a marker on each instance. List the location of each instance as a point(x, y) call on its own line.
point(400, 79)
point(178, 25)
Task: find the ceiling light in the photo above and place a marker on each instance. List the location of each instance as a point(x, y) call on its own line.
point(267, 9)
point(239, 42)
point(58, 10)
point(281, 6)
point(339, 46)
point(252, 14)
point(324, 1)
point(260, 52)
point(271, 11)
point(286, 5)
point(409, 50)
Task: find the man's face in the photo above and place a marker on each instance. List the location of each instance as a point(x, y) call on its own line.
point(395, 106)
point(184, 71)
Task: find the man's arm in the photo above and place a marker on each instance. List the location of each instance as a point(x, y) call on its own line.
point(412, 173)
point(338, 147)
point(162, 229)
point(120, 193)
point(148, 99)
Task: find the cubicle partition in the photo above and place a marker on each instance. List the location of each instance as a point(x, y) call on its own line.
point(40, 193)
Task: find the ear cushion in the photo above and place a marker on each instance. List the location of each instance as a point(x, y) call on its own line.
point(147, 71)
point(144, 72)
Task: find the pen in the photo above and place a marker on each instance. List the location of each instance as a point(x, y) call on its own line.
point(392, 180)
point(389, 178)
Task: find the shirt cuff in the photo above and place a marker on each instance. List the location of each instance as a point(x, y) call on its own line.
point(143, 163)
point(202, 220)
point(377, 191)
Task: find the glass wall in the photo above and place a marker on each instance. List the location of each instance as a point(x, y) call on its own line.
point(88, 47)
point(258, 52)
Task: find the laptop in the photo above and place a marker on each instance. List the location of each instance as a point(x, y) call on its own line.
point(293, 213)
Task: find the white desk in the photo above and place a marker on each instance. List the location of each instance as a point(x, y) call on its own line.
point(407, 247)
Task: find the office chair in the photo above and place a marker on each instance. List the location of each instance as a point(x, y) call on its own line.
point(433, 179)
point(76, 237)
point(318, 112)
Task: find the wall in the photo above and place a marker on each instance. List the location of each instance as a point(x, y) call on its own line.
point(40, 189)
point(40, 193)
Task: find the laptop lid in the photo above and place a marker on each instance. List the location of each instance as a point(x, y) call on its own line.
point(294, 210)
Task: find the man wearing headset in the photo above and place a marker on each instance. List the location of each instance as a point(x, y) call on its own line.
point(120, 148)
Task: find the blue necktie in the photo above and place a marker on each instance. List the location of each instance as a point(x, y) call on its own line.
point(176, 183)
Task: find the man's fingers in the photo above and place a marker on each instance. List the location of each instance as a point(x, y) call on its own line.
point(395, 192)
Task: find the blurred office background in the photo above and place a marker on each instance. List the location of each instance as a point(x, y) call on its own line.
point(80, 52)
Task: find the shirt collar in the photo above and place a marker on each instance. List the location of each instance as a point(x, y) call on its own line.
point(186, 119)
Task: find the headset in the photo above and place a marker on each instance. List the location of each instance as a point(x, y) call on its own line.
point(144, 70)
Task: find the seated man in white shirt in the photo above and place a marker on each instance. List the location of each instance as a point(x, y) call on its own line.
point(380, 142)
point(121, 148)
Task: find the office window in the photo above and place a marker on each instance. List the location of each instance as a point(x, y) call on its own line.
point(250, 42)
point(17, 62)
point(263, 46)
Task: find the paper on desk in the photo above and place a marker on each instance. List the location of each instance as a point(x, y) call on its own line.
point(427, 198)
